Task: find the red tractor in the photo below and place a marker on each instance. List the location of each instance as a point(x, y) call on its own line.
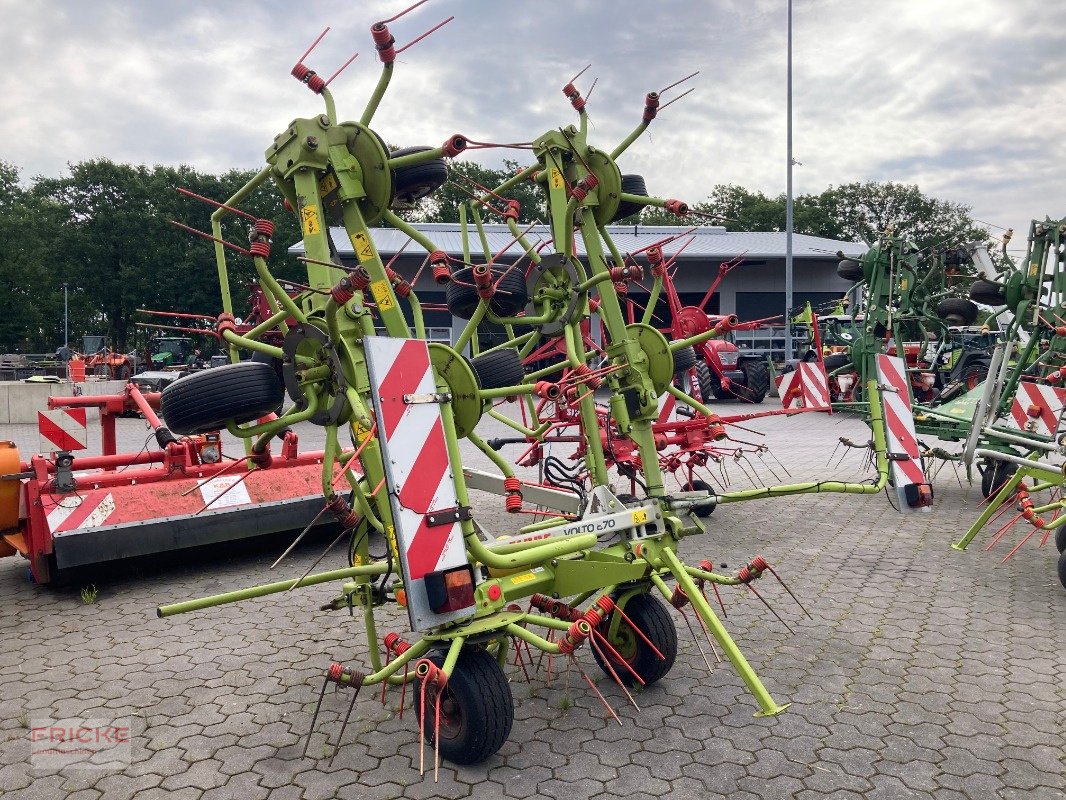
point(722, 372)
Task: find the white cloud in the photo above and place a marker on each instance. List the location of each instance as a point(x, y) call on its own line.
point(960, 97)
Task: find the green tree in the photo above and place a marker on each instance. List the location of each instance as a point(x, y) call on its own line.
point(863, 210)
point(443, 205)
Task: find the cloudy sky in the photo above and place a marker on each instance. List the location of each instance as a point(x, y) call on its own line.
point(962, 97)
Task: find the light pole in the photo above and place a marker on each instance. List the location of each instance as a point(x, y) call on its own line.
point(66, 318)
point(788, 199)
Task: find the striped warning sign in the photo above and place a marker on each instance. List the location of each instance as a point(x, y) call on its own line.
point(63, 429)
point(419, 472)
point(80, 511)
point(1038, 408)
point(905, 466)
point(806, 387)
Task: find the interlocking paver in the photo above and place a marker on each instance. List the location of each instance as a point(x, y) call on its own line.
point(925, 673)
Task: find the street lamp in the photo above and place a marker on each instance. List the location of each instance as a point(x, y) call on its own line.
point(788, 199)
point(66, 318)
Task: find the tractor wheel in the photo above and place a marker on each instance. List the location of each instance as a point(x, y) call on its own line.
point(498, 368)
point(987, 293)
point(411, 184)
point(836, 361)
point(957, 311)
point(1062, 569)
point(996, 474)
point(704, 509)
point(974, 375)
point(123, 372)
point(654, 621)
point(631, 184)
point(707, 381)
point(1060, 539)
point(102, 371)
point(205, 401)
point(757, 379)
point(684, 360)
point(850, 270)
point(476, 708)
point(511, 294)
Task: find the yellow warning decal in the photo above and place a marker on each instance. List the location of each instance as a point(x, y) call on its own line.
point(361, 433)
point(390, 535)
point(309, 220)
point(364, 250)
point(382, 295)
point(327, 184)
point(1034, 269)
point(903, 284)
point(556, 178)
point(524, 577)
point(640, 516)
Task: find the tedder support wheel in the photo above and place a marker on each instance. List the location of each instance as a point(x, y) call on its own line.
point(987, 293)
point(631, 184)
point(957, 310)
point(704, 509)
point(757, 379)
point(498, 368)
point(511, 294)
point(655, 622)
point(411, 184)
point(205, 401)
point(476, 708)
point(850, 270)
point(995, 475)
point(1060, 539)
point(684, 360)
point(836, 361)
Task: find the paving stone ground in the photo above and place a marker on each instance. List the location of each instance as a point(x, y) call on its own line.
point(924, 672)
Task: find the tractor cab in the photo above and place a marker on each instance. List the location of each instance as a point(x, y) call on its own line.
point(166, 352)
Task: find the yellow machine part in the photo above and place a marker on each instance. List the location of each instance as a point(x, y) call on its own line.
point(9, 497)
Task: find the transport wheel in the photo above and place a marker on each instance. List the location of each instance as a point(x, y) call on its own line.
point(957, 310)
point(1060, 539)
point(684, 360)
point(757, 379)
point(476, 708)
point(511, 294)
point(651, 616)
point(995, 475)
point(205, 401)
point(704, 509)
point(499, 368)
point(631, 184)
point(411, 184)
point(987, 293)
point(974, 375)
point(850, 270)
point(1062, 569)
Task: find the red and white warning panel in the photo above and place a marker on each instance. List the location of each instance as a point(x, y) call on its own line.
point(905, 464)
point(63, 429)
point(805, 387)
point(429, 538)
point(1037, 408)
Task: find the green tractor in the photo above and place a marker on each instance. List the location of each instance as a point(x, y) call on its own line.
point(167, 352)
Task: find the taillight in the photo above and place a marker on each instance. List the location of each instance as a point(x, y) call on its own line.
point(450, 589)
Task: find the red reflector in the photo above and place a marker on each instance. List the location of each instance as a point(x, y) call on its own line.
point(451, 589)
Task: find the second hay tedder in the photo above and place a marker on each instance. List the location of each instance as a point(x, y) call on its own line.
point(595, 571)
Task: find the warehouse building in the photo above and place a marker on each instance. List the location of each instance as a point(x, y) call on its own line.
point(753, 289)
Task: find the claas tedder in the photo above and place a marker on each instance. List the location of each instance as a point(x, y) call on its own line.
point(601, 570)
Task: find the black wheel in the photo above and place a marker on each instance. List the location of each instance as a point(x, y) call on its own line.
point(499, 368)
point(684, 360)
point(707, 381)
point(703, 509)
point(411, 184)
point(655, 622)
point(995, 475)
point(850, 270)
point(631, 184)
point(511, 294)
point(476, 708)
point(757, 379)
point(836, 361)
point(1062, 569)
point(1060, 539)
point(205, 401)
point(974, 375)
point(987, 293)
point(124, 372)
point(957, 311)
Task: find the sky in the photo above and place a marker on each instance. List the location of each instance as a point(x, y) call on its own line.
point(961, 97)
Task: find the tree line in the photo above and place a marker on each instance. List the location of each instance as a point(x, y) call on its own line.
point(104, 230)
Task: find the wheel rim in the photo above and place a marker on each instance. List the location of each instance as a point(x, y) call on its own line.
point(451, 715)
